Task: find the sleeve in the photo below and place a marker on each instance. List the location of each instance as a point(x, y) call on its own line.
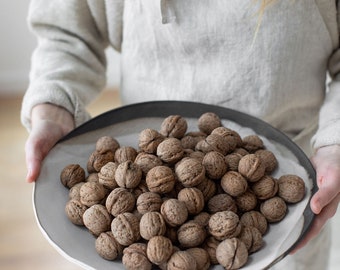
point(68, 66)
point(328, 131)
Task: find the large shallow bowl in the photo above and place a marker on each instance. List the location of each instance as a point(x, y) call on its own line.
point(125, 123)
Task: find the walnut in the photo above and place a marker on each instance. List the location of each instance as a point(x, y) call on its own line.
point(120, 200)
point(92, 193)
point(232, 161)
point(252, 238)
point(213, 142)
point(148, 201)
point(190, 139)
point(147, 161)
point(160, 179)
point(193, 199)
point(252, 143)
point(92, 177)
point(128, 174)
point(149, 139)
point(108, 247)
point(221, 202)
point(125, 228)
point(181, 260)
point(202, 218)
point(291, 188)
point(71, 175)
point(210, 245)
point(106, 175)
point(274, 209)
point(269, 160)
point(190, 172)
point(107, 143)
point(97, 160)
point(125, 153)
point(265, 188)
point(74, 210)
point(174, 126)
point(191, 234)
point(135, 258)
point(251, 167)
point(170, 150)
point(247, 201)
point(232, 253)
point(234, 183)
point(174, 212)
point(224, 224)
point(208, 121)
point(74, 192)
point(208, 188)
point(97, 219)
point(232, 137)
point(241, 151)
point(159, 249)
point(255, 219)
point(151, 224)
point(201, 257)
point(215, 165)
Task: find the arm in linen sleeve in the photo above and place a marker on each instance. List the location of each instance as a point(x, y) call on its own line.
point(68, 66)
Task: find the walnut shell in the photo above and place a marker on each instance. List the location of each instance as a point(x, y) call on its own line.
point(251, 167)
point(128, 174)
point(160, 179)
point(224, 224)
point(208, 121)
point(274, 209)
point(151, 224)
point(106, 175)
point(210, 245)
point(107, 143)
point(232, 161)
point(291, 188)
point(269, 160)
point(174, 126)
point(74, 192)
point(159, 249)
point(265, 188)
point(202, 218)
point(215, 165)
point(108, 247)
point(97, 160)
point(208, 189)
point(71, 175)
point(255, 219)
point(148, 140)
point(181, 260)
point(201, 257)
point(252, 143)
point(75, 210)
point(92, 193)
point(170, 150)
point(221, 202)
point(190, 172)
point(191, 234)
point(213, 142)
point(232, 137)
point(252, 238)
point(190, 139)
point(120, 200)
point(247, 201)
point(147, 161)
point(193, 199)
point(125, 228)
point(234, 183)
point(97, 219)
point(232, 253)
point(148, 202)
point(174, 212)
point(125, 153)
point(135, 258)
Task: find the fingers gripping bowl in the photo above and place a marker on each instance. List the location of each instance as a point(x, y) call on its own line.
point(125, 124)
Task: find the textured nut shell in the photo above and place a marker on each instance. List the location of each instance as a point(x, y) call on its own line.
point(125, 228)
point(255, 219)
point(148, 202)
point(97, 219)
point(106, 175)
point(174, 126)
point(246, 201)
point(191, 234)
point(190, 172)
point(174, 212)
point(107, 143)
point(232, 160)
point(159, 249)
point(147, 161)
point(202, 218)
point(125, 153)
point(269, 160)
point(222, 202)
point(151, 224)
point(201, 257)
point(135, 258)
point(291, 188)
point(97, 160)
point(92, 177)
point(71, 175)
point(193, 199)
point(160, 179)
point(274, 209)
point(215, 165)
point(119, 201)
point(252, 143)
point(170, 150)
point(210, 246)
point(265, 188)
point(208, 189)
point(92, 193)
point(208, 121)
point(251, 167)
point(75, 210)
point(252, 238)
point(181, 260)
point(74, 192)
point(128, 174)
point(225, 224)
point(232, 137)
point(213, 142)
point(148, 140)
point(190, 139)
point(234, 183)
point(107, 246)
point(232, 253)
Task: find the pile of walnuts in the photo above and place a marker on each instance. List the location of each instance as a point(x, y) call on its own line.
point(182, 200)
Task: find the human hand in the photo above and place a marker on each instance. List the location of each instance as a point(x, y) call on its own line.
point(325, 201)
point(49, 124)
